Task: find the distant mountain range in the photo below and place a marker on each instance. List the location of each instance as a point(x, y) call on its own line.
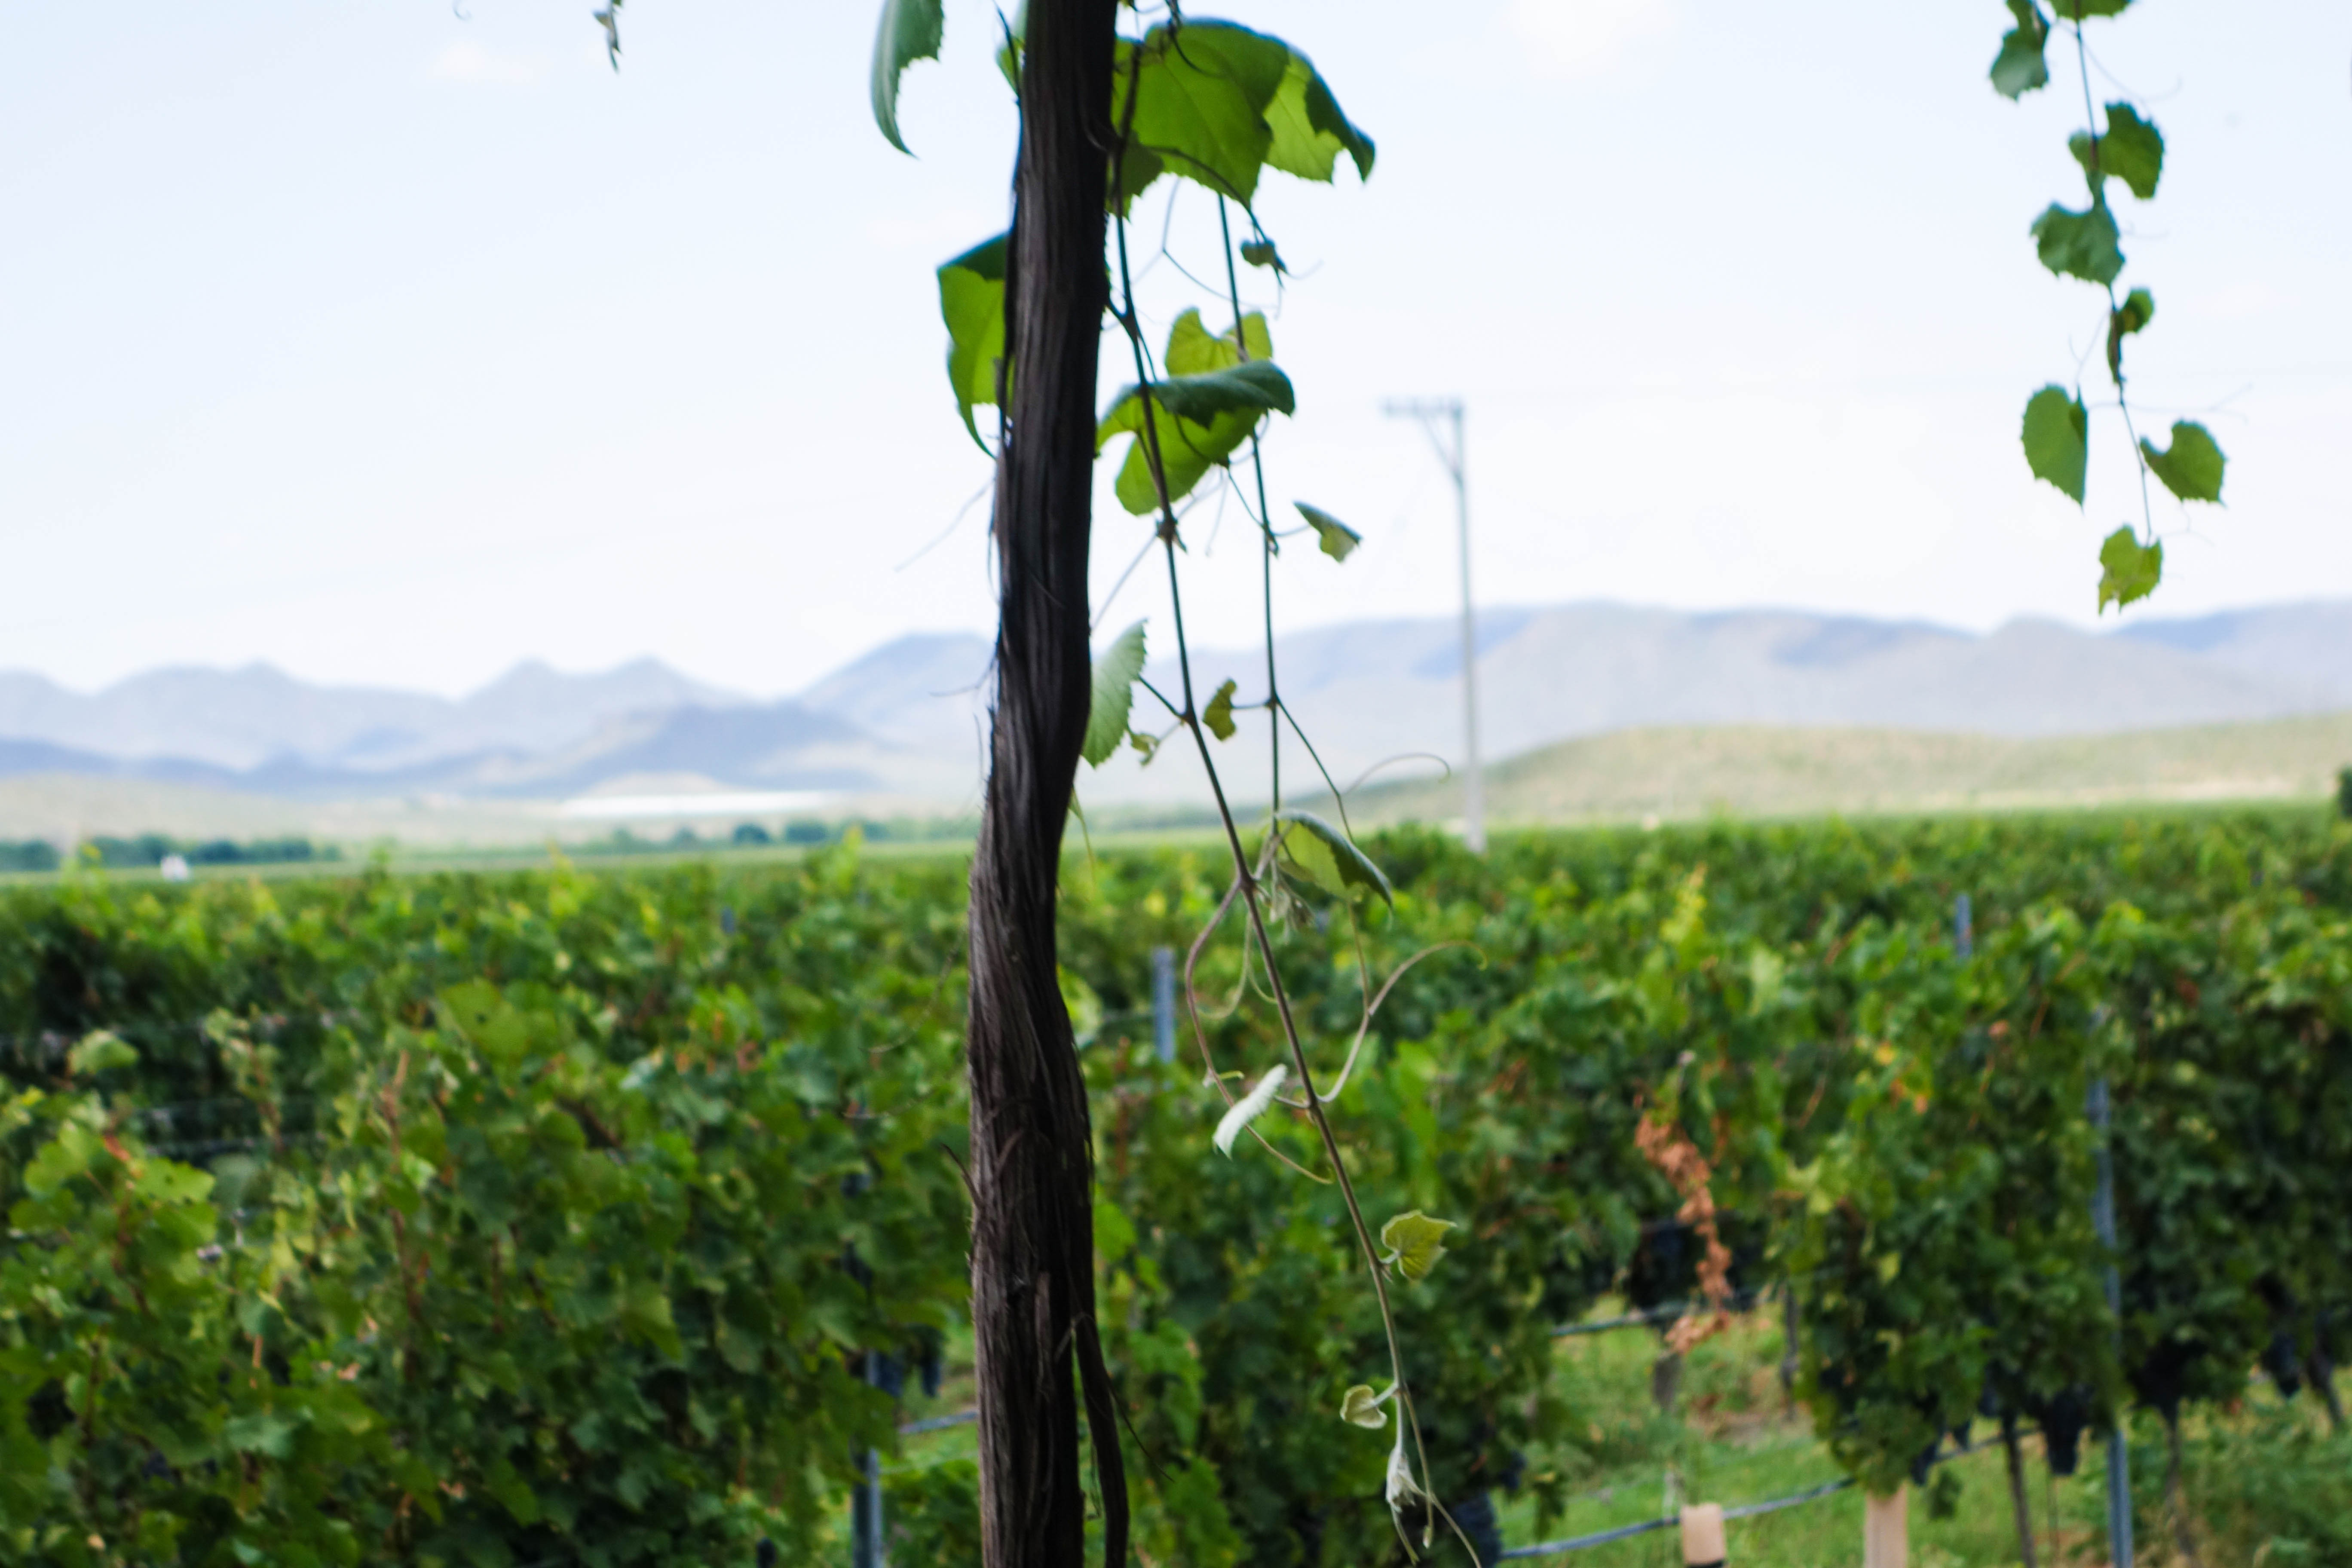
point(909, 718)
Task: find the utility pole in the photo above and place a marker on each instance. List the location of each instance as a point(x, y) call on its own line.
point(1434, 413)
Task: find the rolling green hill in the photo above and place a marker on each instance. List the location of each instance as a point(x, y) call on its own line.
point(1755, 771)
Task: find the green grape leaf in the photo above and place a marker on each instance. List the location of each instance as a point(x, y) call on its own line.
point(101, 1050)
point(1016, 42)
point(2130, 570)
point(1248, 1109)
point(971, 302)
point(2192, 468)
point(2081, 10)
point(1262, 253)
point(2132, 151)
point(1329, 856)
point(1360, 1406)
point(2137, 309)
point(1201, 92)
point(2019, 68)
point(1192, 351)
point(1219, 716)
point(1253, 388)
point(1200, 421)
point(2079, 245)
point(1309, 130)
point(1414, 1243)
point(910, 31)
point(2057, 440)
point(1338, 540)
point(1115, 675)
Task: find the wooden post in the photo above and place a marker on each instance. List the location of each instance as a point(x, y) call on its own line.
point(1702, 1535)
point(1887, 1529)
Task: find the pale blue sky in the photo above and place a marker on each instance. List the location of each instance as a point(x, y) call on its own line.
point(394, 346)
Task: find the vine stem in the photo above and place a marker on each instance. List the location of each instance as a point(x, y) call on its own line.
point(1130, 323)
point(2098, 195)
point(1265, 522)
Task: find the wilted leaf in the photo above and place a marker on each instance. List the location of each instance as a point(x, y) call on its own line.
point(1218, 715)
point(2132, 570)
point(1348, 866)
point(1414, 1243)
point(910, 31)
point(1115, 675)
point(1248, 1109)
point(2192, 469)
point(2057, 440)
point(2137, 309)
point(1337, 539)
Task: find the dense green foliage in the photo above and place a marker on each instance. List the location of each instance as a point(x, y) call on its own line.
point(537, 1216)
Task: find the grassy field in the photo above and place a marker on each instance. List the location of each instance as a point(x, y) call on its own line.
point(1629, 775)
point(2266, 1484)
point(1753, 771)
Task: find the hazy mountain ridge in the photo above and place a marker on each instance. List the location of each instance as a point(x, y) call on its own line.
point(909, 718)
point(241, 720)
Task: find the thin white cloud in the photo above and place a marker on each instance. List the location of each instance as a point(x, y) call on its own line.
point(468, 62)
point(1583, 37)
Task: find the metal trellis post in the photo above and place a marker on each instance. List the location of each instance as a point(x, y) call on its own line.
point(2103, 1218)
point(1163, 1002)
point(866, 1503)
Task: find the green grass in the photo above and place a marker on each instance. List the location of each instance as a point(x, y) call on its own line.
point(1761, 771)
point(2266, 1484)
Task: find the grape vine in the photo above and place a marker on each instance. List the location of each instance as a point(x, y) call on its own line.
point(1216, 104)
point(2088, 244)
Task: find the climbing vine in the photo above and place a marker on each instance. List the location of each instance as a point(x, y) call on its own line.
point(1216, 105)
point(2088, 245)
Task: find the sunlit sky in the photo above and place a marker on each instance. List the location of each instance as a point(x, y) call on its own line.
point(395, 343)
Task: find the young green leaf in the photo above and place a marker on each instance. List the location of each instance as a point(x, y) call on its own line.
point(910, 31)
point(1262, 253)
point(971, 302)
point(1414, 1243)
point(2132, 151)
point(1115, 676)
point(2137, 309)
point(1349, 868)
point(1200, 420)
point(2019, 68)
point(1360, 1406)
point(2079, 245)
point(2130, 570)
point(2192, 468)
point(2057, 440)
point(1248, 1109)
point(100, 1051)
point(1309, 130)
point(1219, 716)
point(1192, 350)
point(1338, 540)
point(1201, 95)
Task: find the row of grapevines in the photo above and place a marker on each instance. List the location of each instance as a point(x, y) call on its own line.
point(537, 1216)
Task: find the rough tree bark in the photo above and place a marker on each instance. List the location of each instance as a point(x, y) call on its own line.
point(1033, 1234)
